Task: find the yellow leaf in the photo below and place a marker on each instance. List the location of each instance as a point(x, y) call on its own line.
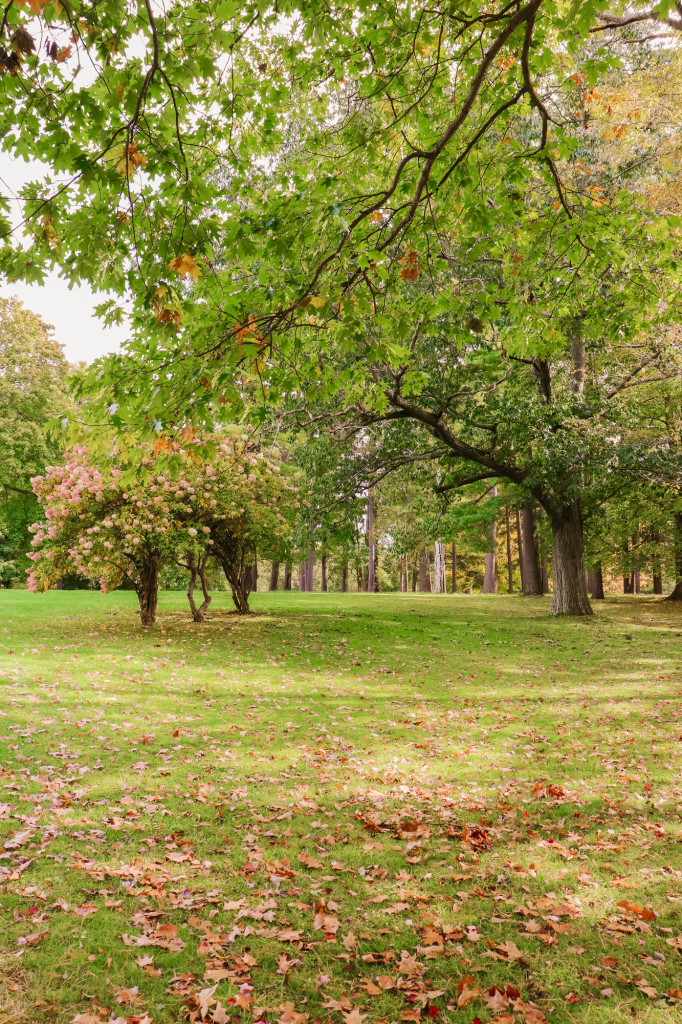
point(316, 301)
point(185, 266)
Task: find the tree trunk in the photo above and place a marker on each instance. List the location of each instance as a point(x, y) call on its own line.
point(310, 570)
point(490, 575)
point(595, 582)
point(544, 574)
point(370, 542)
point(287, 576)
point(510, 572)
point(147, 589)
point(532, 580)
point(454, 567)
point(254, 574)
point(414, 581)
point(302, 575)
point(568, 559)
point(424, 572)
point(344, 579)
point(323, 584)
point(274, 576)
point(358, 577)
point(519, 544)
point(677, 591)
point(439, 586)
point(656, 566)
point(197, 570)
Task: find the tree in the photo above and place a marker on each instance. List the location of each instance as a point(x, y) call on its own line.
point(33, 391)
point(218, 498)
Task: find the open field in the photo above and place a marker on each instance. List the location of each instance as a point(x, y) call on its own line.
point(341, 808)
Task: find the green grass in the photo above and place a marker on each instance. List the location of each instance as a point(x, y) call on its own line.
point(457, 774)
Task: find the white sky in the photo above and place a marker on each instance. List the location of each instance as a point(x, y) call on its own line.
point(71, 312)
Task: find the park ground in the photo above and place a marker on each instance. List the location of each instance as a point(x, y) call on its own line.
point(342, 808)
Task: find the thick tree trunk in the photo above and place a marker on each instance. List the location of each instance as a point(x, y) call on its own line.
point(657, 576)
point(568, 559)
point(595, 583)
point(424, 572)
point(677, 592)
point(510, 571)
point(490, 574)
point(287, 576)
point(370, 542)
point(323, 583)
point(344, 580)
point(519, 544)
point(454, 567)
point(274, 576)
point(532, 580)
point(197, 570)
point(147, 589)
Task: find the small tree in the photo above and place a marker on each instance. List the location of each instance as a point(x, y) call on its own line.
point(215, 497)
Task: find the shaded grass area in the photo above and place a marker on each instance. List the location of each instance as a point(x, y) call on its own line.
point(380, 807)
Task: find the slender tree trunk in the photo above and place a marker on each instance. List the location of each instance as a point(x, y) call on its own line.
point(287, 575)
point(424, 572)
point(147, 589)
point(636, 575)
point(490, 575)
point(657, 576)
point(454, 567)
point(370, 542)
point(677, 591)
point(344, 579)
point(310, 584)
point(302, 575)
point(519, 544)
point(197, 570)
point(595, 582)
point(323, 584)
point(414, 581)
point(568, 559)
point(510, 571)
point(358, 576)
point(439, 586)
point(274, 576)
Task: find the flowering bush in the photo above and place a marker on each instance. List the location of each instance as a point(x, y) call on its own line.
point(108, 524)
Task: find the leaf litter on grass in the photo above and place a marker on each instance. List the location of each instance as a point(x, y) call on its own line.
point(197, 828)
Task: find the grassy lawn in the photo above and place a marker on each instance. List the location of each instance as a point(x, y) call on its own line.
point(342, 808)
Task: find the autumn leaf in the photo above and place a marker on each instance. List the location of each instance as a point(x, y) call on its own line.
point(185, 266)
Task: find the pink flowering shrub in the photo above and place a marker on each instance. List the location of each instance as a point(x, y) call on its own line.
point(125, 516)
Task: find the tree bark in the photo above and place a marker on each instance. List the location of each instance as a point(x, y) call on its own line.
point(344, 579)
point(439, 586)
point(197, 569)
point(147, 589)
point(510, 572)
point(414, 581)
point(677, 591)
point(358, 577)
point(370, 542)
point(424, 572)
point(274, 576)
point(532, 580)
point(568, 559)
point(303, 575)
point(287, 576)
point(310, 570)
point(490, 575)
point(519, 544)
point(454, 567)
point(595, 582)
point(323, 584)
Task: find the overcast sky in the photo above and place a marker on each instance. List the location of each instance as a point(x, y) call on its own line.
point(71, 312)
